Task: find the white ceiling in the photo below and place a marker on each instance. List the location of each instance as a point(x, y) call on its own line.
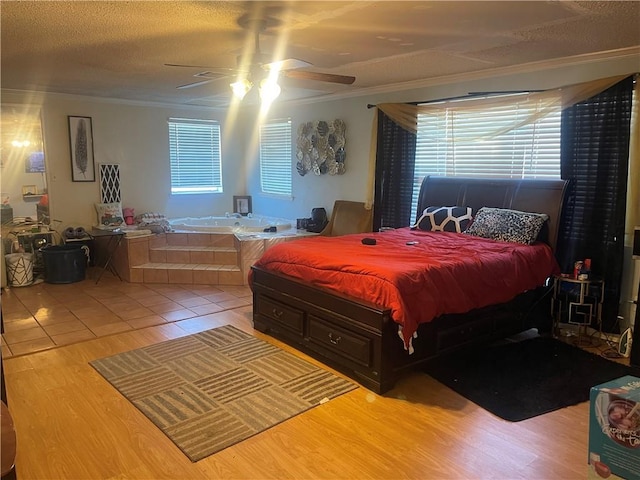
point(118, 49)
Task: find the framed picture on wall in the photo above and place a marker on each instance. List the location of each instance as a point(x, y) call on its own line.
point(242, 204)
point(81, 144)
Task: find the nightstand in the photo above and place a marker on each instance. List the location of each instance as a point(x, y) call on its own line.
point(577, 302)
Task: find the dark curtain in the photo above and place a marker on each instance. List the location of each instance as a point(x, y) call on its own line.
point(395, 162)
point(595, 159)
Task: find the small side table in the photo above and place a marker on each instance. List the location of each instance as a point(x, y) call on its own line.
point(113, 240)
point(577, 302)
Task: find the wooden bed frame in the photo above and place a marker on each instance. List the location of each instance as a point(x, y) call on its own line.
point(361, 340)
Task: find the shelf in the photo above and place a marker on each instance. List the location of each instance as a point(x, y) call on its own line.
point(33, 195)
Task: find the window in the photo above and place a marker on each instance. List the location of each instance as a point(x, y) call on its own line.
point(452, 142)
point(194, 153)
point(275, 157)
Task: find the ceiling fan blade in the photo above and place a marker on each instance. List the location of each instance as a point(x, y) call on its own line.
point(195, 84)
point(208, 67)
point(186, 66)
point(287, 64)
point(320, 77)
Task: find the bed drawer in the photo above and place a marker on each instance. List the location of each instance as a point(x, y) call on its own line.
point(284, 315)
point(454, 337)
point(334, 339)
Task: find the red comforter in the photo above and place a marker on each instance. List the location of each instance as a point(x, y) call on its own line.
point(443, 273)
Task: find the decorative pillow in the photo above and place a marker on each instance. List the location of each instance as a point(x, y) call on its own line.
point(110, 214)
point(507, 225)
point(444, 219)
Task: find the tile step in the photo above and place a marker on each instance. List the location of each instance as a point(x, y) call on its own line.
point(187, 266)
point(176, 248)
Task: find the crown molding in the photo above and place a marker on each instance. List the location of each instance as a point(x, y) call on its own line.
point(524, 68)
point(31, 94)
point(531, 67)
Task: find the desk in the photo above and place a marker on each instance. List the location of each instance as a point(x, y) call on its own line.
point(111, 240)
point(577, 302)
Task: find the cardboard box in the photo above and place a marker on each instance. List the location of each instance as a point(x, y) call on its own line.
point(614, 429)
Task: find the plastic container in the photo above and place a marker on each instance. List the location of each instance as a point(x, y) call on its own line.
point(19, 269)
point(64, 263)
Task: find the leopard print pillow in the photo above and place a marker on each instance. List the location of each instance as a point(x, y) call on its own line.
point(507, 225)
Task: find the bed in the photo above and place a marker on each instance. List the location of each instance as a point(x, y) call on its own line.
point(374, 325)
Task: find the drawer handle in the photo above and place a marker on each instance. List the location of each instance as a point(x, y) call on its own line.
point(277, 313)
point(333, 340)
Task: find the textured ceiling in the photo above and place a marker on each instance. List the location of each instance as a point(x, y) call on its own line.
point(119, 49)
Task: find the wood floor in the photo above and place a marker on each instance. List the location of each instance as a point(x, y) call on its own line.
point(71, 424)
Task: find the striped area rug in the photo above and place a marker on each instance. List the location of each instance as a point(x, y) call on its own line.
point(216, 388)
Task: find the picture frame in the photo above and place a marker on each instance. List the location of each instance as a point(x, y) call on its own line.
point(242, 204)
point(81, 146)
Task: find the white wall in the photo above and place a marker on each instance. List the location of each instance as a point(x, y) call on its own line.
point(318, 190)
point(136, 137)
point(321, 191)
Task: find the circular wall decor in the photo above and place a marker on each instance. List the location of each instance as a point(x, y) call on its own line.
point(321, 147)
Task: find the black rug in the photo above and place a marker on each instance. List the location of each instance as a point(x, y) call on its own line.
point(516, 381)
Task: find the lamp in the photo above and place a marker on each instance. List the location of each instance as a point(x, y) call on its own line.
point(269, 89)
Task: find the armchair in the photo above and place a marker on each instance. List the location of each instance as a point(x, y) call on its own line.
point(348, 217)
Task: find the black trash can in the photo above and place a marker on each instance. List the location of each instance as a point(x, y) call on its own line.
point(64, 263)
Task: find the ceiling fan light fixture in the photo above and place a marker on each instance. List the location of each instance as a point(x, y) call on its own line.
point(269, 90)
point(241, 88)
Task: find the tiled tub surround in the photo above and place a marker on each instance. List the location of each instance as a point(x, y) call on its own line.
point(230, 224)
point(193, 258)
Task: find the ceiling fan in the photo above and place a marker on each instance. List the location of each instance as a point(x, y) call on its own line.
point(258, 70)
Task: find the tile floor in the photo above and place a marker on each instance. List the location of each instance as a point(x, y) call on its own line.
point(44, 316)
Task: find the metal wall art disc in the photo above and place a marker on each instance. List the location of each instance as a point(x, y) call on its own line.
point(320, 147)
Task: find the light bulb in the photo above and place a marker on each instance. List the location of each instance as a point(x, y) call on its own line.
point(269, 90)
point(241, 88)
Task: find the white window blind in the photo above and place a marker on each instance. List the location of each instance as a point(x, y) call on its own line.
point(452, 143)
point(275, 157)
point(194, 153)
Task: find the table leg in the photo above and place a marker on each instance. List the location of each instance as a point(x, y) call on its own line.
point(113, 243)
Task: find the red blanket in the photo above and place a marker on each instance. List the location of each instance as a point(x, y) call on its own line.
point(443, 273)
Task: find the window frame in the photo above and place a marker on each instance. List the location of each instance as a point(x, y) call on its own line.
point(202, 158)
point(535, 153)
point(276, 165)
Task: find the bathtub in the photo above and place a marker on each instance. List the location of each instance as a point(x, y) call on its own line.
point(230, 224)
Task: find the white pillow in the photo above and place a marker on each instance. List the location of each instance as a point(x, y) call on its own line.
point(110, 214)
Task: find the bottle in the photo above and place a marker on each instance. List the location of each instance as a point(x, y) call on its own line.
point(577, 267)
point(585, 270)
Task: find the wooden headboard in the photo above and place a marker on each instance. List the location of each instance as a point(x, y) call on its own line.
point(538, 196)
